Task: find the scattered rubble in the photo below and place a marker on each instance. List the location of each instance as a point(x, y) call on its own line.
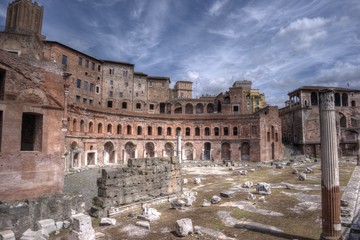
point(215, 199)
point(184, 227)
point(263, 188)
point(107, 221)
point(248, 184)
point(82, 228)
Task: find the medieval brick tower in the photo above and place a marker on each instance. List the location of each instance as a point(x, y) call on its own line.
point(22, 35)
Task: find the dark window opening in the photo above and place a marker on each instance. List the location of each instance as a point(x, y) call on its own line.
point(168, 131)
point(109, 104)
point(216, 131)
point(162, 107)
point(2, 84)
point(31, 132)
point(78, 83)
point(197, 131)
point(314, 99)
point(235, 108)
point(149, 130)
point(80, 61)
point(118, 129)
point(353, 104)
point(64, 60)
point(235, 131)
point(337, 100)
point(152, 106)
point(138, 106)
point(344, 100)
point(207, 131)
point(1, 124)
point(187, 131)
point(128, 130)
point(159, 131)
point(124, 105)
point(226, 131)
point(139, 130)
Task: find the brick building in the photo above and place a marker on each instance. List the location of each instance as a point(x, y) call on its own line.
point(76, 110)
point(300, 119)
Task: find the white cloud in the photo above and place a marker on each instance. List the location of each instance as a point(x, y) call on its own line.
point(341, 74)
point(192, 75)
point(227, 33)
point(304, 24)
point(215, 8)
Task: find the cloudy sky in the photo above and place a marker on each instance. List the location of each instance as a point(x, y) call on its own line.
point(279, 45)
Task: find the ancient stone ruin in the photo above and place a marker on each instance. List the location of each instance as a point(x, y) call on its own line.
point(143, 179)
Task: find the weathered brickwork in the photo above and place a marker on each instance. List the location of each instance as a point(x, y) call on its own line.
point(142, 179)
point(301, 124)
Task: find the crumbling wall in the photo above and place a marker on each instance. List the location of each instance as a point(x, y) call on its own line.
point(143, 179)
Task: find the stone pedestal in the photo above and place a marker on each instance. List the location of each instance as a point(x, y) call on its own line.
point(330, 191)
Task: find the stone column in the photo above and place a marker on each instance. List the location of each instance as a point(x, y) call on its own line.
point(179, 145)
point(330, 191)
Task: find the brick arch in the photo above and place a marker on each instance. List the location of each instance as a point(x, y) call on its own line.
point(32, 95)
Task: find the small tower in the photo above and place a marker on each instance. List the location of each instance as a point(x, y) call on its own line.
point(25, 17)
point(22, 35)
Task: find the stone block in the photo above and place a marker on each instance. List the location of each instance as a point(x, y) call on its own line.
point(107, 221)
point(82, 223)
point(48, 225)
point(87, 235)
point(184, 227)
point(7, 235)
point(143, 224)
point(59, 225)
point(227, 194)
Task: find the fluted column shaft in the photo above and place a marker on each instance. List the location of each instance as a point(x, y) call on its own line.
point(330, 191)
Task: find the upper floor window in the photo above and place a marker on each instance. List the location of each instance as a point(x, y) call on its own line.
point(139, 85)
point(187, 131)
point(125, 73)
point(138, 106)
point(111, 94)
point(126, 84)
point(226, 131)
point(92, 87)
point(78, 98)
point(80, 61)
point(121, 94)
point(216, 131)
point(92, 66)
point(207, 131)
point(97, 89)
point(78, 83)
point(87, 63)
point(111, 71)
point(85, 85)
point(163, 84)
point(124, 105)
point(99, 68)
point(235, 108)
point(151, 106)
point(64, 60)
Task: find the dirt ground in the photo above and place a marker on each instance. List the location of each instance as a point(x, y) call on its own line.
point(293, 206)
point(299, 205)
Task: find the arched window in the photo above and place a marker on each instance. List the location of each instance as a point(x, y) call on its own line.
point(178, 130)
point(124, 105)
point(109, 128)
point(337, 100)
point(91, 127)
point(210, 108)
point(207, 131)
point(139, 130)
point(189, 109)
point(74, 125)
point(235, 131)
point(227, 99)
point(187, 131)
point(216, 131)
point(159, 131)
point(168, 131)
point(128, 130)
point(82, 126)
point(118, 129)
point(197, 131)
point(100, 128)
point(149, 130)
point(219, 106)
point(199, 108)
point(226, 131)
point(342, 120)
point(344, 99)
point(178, 108)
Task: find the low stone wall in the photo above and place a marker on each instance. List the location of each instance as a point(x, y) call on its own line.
point(143, 179)
point(18, 216)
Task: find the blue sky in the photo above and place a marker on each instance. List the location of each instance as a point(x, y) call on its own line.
point(279, 45)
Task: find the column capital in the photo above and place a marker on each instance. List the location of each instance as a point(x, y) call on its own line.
point(327, 99)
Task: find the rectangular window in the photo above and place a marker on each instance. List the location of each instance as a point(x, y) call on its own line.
point(152, 107)
point(80, 61)
point(85, 85)
point(126, 84)
point(139, 85)
point(78, 98)
point(97, 89)
point(87, 63)
point(136, 94)
point(92, 86)
point(109, 104)
point(92, 66)
point(111, 94)
point(91, 102)
point(78, 83)
point(138, 106)
point(99, 68)
point(125, 73)
point(235, 108)
point(2, 84)
point(111, 71)
point(64, 60)
point(31, 132)
point(163, 84)
point(84, 100)
point(121, 94)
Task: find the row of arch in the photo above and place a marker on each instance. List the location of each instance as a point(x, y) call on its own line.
point(197, 131)
point(130, 151)
point(341, 99)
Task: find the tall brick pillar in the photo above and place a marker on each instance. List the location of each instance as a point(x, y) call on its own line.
point(330, 191)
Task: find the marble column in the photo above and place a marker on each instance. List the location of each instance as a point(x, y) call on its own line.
point(330, 191)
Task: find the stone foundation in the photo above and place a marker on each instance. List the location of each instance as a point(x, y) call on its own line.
point(143, 179)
